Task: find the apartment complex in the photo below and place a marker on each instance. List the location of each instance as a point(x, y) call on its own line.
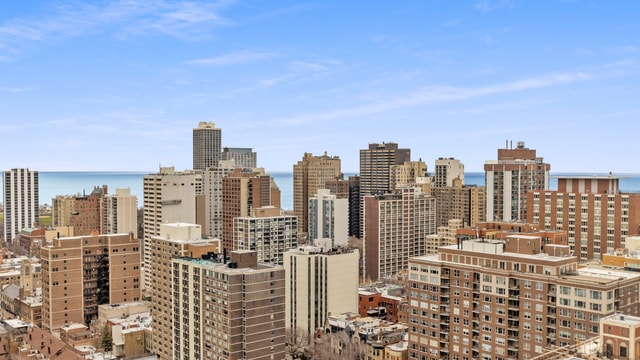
point(396, 228)
point(406, 173)
point(243, 191)
point(466, 203)
point(233, 310)
point(447, 170)
point(509, 299)
point(169, 197)
point(375, 167)
point(88, 212)
point(82, 272)
point(20, 201)
point(62, 206)
point(268, 232)
point(121, 213)
point(207, 145)
point(328, 218)
point(245, 158)
point(348, 189)
point(174, 240)
point(509, 179)
point(310, 174)
point(212, 189)
point(596, 216)
point(319, 283)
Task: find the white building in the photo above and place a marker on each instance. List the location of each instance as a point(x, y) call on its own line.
point(319, 284)
point(121, 213)
point(448, 169)
point(20, 201)
point(329, 218)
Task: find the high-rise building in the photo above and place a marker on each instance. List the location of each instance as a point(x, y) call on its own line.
point(173, 241)
point(245, 158)
point(329, 218)
point(396, 228)
point(81, 272)
point(62, 207)
point(170, 197)
point(268, 232)
point(466, 203)
point(319, 284)
point(207, 146)
point(243, 191)
point(212, 189)
point(510, 178)
point(448, 169)
point(309, 175)
point(509, 299)
point(407, 173)
point(375, 171)
point(88, 215)
point(228, 311)
point(121, 213)
point(354, 207)
point(596, 215)
point(21, 206)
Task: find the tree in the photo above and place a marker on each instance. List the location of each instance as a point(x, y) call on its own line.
point(297, 343)
point(107, 340)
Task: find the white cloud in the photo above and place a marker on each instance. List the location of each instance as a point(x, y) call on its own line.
point(241, 57)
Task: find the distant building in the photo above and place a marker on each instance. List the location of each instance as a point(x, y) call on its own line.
point(268, 232)
point(466, 203)
point(62, 207)
point(121, 213)
point(21, 202)
point(406, 174)
point(88, 212)
point(319, 284)
point(207, 144)
point(310, 174)
point(233, 310)
point(510, 178)
point(212, 189)
point(243, 157)
point(82, 272)
point(328, 218)
point(596, 215)
point(447, 170)
point(396, 228)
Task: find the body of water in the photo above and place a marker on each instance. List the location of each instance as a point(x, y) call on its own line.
point(53, 183)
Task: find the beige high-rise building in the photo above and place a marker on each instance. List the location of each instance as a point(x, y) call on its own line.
point(407, 173)
point(121, 213)
point(396, 228)
point(509, 299)
point(269, 232)
point(466, 203)
point(207, 145)
point(447, 170)
point(509, 179)
point(319, 284)
point(79, 273)
point(174, 240)
point(20, 199)
point(61, 209)
point(228, 310)
point(212, 189)
point(169, 197)
point(309, 175)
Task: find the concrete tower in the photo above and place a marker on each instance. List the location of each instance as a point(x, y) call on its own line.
point(20, 201)
point(207, 144)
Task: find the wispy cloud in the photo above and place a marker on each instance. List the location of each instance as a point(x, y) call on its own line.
point(487, 5)
point(182, 19)
point(15, 90)
point(241, 57)
point(439, 94)
point(625, 50)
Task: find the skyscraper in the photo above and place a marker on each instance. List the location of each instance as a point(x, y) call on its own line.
point(121, 213)
point(375, 167)
point(207, 144)
point(448, 169)
point(510, 178)
point(245, 158)
point(20, 201)
point(309, 175)
point(329, 218)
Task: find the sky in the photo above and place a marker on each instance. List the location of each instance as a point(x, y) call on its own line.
point(120, 85)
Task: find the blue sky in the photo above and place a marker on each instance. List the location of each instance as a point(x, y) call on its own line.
point(119, 85)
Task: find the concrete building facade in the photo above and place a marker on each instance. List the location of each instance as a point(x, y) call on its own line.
point(207, 145)
point(212, 189)
point(447, 170)
point(245, 158)
point(466, 203)
point(329, 218)
point(121, 213)
point(21, 201)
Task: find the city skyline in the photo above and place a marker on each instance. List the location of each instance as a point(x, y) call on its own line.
point(120, 85)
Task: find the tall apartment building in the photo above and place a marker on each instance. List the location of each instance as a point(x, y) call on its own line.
point(88, 212)
point(207, 145)
point(81, 272)
point(596, 216)
point(175, 240)
point(309, 175)
point(375, 171)
point(121, 213)
point(319, 284)
point(243, 191)
point(396, 228)
point(406, 173)
point(20, 201)
point(245, 158)
point(509, 299)
point(61, 209)
point(466, 203)
point(510, 178)
point(447, 170)
point(348, 189)
point(231, 311)
point(212, 189)
point(329, 218)
point(268, 232)
point(169, 197)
